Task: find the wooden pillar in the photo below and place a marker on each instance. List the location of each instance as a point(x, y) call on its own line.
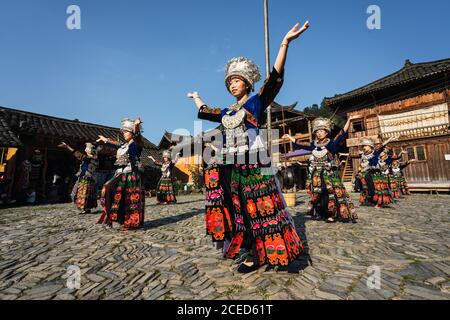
point(310, 131)
point(291, 146)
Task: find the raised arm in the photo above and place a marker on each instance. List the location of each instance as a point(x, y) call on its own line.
point(298, 145)
point(334, 145)
point(77, 154)
point(293, 34)
point(66, 146)
point(155, 161)
point(205, 112)
point(108, 141)
point(274, 82)
point(388, 141)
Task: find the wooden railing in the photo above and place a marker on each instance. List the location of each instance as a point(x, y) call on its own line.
point(419, 132)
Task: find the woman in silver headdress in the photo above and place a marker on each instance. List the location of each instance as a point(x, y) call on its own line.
point(165, 191)
point(263, 230)
point(123, 198)
point(85, 190)
point(374, 174)
point(398, 176)
point(329, 199)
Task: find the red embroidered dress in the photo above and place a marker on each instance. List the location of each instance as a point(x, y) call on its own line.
point(123, 198)
point(261, 221)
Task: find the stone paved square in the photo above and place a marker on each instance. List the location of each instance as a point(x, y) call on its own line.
point(172, 258)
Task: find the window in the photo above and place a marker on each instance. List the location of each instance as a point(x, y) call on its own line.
point(358, 126)
point(411, 154)
point(420, 153)
point(417, 152)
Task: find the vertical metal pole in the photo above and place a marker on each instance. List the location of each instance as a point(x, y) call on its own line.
point(267, 50)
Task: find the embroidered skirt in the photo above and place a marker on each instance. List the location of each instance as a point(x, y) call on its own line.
point(86, 194)
point(262, 222)
point(165, 191)
point(123, 201)
point(403, 185)
point(375, 189)
point(329, 198)
point(219, 210)
point(394, 185)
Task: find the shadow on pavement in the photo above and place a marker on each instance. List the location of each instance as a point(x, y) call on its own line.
point(173, 219)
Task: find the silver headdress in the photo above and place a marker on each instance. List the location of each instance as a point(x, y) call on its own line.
point(367, 142)
point(127, 125)
point(244, 68)
point(167, 154)
point(90, 147)
point(321, 123)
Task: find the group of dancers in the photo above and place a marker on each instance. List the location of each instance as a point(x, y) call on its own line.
point(245, 211)
point(381, 174)
point(123, 196)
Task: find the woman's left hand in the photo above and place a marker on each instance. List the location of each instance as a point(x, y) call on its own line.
point(295, 32)
point(354, 117)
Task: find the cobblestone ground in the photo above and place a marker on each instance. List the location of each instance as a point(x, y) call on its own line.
point(171, 258)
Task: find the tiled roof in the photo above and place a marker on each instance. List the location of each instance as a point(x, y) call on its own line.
point(410, 72)
point(7, 137)
point(14, 122)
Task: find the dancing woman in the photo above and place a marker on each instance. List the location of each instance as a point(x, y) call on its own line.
point(263, 228)
point(165, 193)
point(375, 183)
point(123, 199)
point(85, 189)
point(399, 177)
point(329, 199)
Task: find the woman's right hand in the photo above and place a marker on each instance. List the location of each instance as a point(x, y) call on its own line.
point(288, 137)
point(193, 95)
point(102, 139)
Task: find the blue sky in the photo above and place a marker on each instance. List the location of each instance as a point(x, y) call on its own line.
point(140, 57)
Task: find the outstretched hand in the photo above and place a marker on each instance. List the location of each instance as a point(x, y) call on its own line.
point(354, 117)
point(295, 32)
point(288, 137)
point(193, 95)
point(102, 139)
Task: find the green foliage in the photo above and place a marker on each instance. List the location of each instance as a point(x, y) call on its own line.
point(197, 176)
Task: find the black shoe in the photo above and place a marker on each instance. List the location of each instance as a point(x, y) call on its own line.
point(241, 256)
point(243, 268)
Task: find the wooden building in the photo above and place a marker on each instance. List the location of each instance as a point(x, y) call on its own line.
point(22, 133)
point(412, 104)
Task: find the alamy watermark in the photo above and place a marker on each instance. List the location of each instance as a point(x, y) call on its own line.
point(73, 22)
point(73, 277)
point(373, 281)
point(374, 20)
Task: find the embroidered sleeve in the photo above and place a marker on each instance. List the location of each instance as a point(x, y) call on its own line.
point(341, 135)
point(271, 87)
point(210, 114)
